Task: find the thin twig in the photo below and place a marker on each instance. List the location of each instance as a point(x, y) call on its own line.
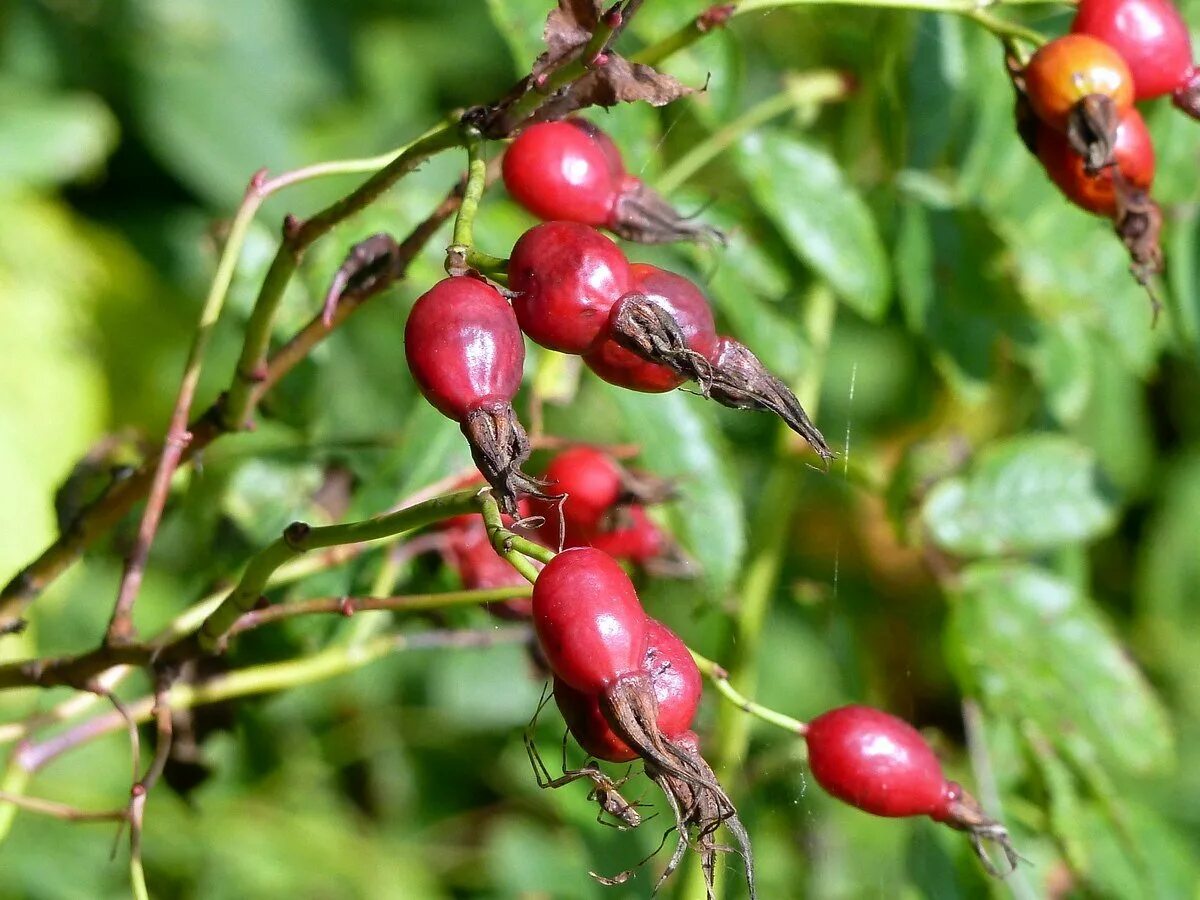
point(141, 788)
point(120, 627)
point(348, 606)
point(61, 810)
point(264, 679)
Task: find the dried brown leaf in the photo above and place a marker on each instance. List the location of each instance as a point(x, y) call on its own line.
point(617, 81)
point(568, 29)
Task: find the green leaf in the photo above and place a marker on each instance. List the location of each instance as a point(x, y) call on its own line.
point(678, 439)
point(520, 22)
point(1031, 647)
point(51, 138)
point(1027, 494)
point(223, 88)
point(827, 224)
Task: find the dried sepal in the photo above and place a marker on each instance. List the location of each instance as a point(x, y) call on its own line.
point(500, 447)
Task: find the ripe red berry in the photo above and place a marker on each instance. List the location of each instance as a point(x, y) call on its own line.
point(1133, 153)
point(876, 762)
point(685, 304)
point(464, 346)
point(677, 687)
point(566, 170)
point(588, 618)
point(469, 551)
point(1071, 67)
point(568, 276)
point(1150, 35)
point(465, 351)
point(637, 538)
point(675, 677)
point(593, 483)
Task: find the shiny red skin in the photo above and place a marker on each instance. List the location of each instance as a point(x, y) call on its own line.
point(876, 762)
point(1150, 35)
point(689, 307)
point(677, 687)
point(638, 541)
point(568, 276)
point(676, 680)
point(588, 618)
point(560, 170)
point(1134, 153)
point(1067, 69)
point(464, 346)
point(480, 567)
point(592, 481)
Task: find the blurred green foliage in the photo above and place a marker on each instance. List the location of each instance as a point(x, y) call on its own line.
point(1015, 517)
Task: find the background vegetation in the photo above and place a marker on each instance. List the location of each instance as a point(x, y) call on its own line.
point(1007, 552)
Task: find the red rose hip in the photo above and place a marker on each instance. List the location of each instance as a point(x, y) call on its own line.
point(1072, 67)
point(882, 765)
point(875, 762)
point(463, 346)
point(465, 351)
point(677, 688)
point(567, 277)
point(635, 322)
point(1150, 35)
point(560, 170)
point(1133, 154)
point(588, 618)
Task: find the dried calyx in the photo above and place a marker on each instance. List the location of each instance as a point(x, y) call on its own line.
point(500, 447)
point(641, 214)
point(733, 376)
point(964, 813)
point(697, 799)
point(1092, 131)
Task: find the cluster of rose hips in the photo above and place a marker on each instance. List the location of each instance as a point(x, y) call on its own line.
point(574, 291)
point(1076, 111)
point(627, 686)
point(602, 504)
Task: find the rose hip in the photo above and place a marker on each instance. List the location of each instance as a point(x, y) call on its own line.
point(567, 277)
point(677, 687)
point(560, 170)
point(465, 352)
point(1133, 155)
point(588, 619)
point(1150, 35)
point(572, 171)
point(636, 320)
point(881, 765)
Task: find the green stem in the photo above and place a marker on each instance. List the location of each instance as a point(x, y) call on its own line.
point(464, 222)
point(713, 18)
point(808, 89)
point(461, 255)
point(1004, 29)
point(137, 878)
point(299, 539)
point(267, 678)
point(297, 238)
point(947, 6)
point(720, 680)
point(16, 779)
point(511, 546)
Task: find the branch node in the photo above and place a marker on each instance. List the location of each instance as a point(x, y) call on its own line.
point(295, 535)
